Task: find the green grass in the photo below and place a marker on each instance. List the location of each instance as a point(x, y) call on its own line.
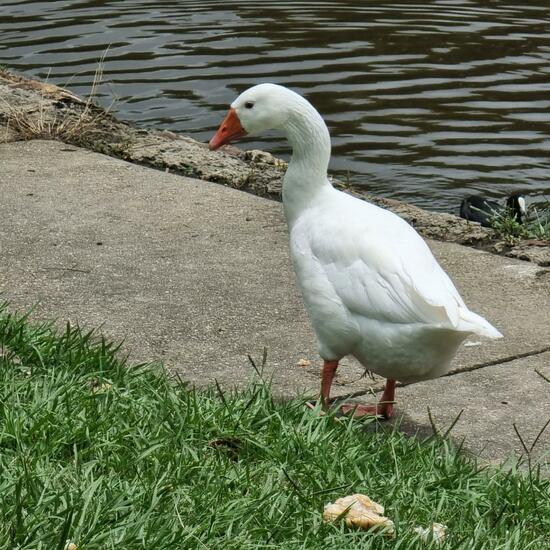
point(111, 456)
point(536, 226)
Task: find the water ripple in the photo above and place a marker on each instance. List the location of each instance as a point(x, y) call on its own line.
point(425, 102)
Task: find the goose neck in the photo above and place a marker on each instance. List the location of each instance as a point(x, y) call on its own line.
point(309, 138)
point(306, 178)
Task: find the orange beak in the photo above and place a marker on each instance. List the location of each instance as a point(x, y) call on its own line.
point(230, 129)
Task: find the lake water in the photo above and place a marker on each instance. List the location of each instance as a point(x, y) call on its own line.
point(426, 102)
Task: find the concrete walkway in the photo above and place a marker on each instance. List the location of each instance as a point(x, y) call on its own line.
point(198, 275)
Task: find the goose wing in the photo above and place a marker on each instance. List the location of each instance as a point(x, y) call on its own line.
point(380, 268)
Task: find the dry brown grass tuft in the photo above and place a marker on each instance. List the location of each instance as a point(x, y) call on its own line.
point(71, 122)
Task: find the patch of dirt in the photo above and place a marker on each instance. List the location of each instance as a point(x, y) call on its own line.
point(32, 109)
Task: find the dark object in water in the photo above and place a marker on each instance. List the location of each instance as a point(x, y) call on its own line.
point(479, 209)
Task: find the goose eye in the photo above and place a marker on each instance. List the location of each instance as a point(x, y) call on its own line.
point(249, 104)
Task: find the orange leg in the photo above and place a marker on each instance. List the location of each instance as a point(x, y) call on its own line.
point(329, 370)
point(383, 408)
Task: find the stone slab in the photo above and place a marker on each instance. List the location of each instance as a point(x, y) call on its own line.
point(198, 275)
point(492, 399)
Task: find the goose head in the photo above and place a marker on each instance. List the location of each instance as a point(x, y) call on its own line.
point(273, 107)
point(260, 108)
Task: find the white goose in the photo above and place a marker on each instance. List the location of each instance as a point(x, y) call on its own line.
point(371, 285)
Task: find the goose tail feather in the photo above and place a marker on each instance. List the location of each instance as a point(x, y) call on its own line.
point(472, 322)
